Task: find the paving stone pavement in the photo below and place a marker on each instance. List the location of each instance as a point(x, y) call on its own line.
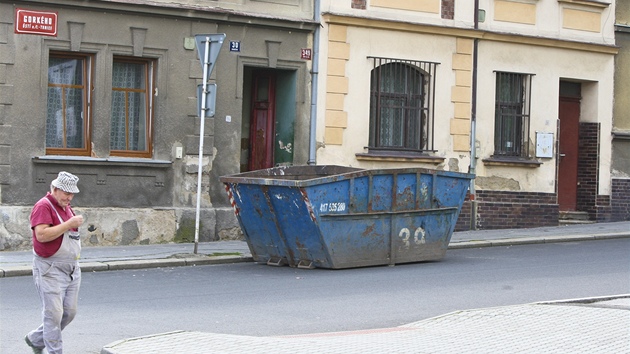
point(580, 326)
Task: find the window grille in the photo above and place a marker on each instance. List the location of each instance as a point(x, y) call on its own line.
point(402, 105)
point(512, 106)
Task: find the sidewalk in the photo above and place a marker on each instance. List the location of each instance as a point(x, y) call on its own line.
point(19, 263)
point(578, 326)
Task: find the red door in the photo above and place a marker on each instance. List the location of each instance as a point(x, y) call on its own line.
point(261, 132)
point(569, 114)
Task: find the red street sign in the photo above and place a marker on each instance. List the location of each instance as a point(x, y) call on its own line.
point(306, 54)
point(35, 22)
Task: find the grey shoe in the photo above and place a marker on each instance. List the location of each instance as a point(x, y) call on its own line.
point(36, 350)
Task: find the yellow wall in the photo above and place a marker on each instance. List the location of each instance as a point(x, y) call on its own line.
point(509, 11)
point(462, 94)
point(431, 6)
point(581, 20)
point(336, 119)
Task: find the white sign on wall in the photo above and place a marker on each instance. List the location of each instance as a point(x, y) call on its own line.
point(544, 144)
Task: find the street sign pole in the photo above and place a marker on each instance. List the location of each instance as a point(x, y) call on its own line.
point(206, 66)
point(208, 47)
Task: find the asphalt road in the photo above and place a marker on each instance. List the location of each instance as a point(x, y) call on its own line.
point(260, 300)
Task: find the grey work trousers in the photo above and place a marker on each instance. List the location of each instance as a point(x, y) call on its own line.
point(58, 286)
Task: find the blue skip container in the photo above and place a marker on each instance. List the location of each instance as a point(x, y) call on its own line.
point(342, 217)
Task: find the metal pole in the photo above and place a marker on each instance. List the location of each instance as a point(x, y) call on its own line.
point(473, 127)
point(204, 94)
point(312, 148)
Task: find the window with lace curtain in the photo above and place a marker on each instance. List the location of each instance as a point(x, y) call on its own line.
point(68, 102)
point(132, 85)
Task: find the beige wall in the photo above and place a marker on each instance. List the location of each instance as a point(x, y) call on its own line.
point(548, 66)
point(577, 20)
point(622, 73)
point(410, 11)
point(621, 121)
point(622, 15)
point(341, 144)
point(517, 12)
point(430, 6)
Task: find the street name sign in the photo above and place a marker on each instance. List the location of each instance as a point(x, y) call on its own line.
point(35, 22)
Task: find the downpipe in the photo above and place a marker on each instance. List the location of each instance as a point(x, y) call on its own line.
point(312, 147)
point(473, 127)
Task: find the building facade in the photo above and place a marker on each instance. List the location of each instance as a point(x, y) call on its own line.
point(519, 92)
point(107, 90)
point(620, 197)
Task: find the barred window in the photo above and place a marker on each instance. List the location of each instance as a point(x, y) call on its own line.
point(401, 105)
point(512, 104)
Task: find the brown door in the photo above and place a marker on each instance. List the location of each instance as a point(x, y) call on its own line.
point(261, 133)
point(569, 114)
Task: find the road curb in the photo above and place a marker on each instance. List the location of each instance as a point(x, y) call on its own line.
point(109, 348)
point(135, 264)
point(16, 271)
point(585, 300)
point(535, 240)
point(208, 260)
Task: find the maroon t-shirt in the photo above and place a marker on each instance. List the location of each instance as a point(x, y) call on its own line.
point(43, 213)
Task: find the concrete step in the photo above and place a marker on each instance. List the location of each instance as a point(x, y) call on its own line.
point(564, 222)
point(574, 217)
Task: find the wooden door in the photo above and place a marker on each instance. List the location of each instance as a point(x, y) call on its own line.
point(569, 115)
point(262, 122)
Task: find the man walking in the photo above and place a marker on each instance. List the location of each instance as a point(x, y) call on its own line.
point(56, 272)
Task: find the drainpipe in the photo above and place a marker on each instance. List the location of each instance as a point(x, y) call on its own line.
point(473, 126)
point(312, 148)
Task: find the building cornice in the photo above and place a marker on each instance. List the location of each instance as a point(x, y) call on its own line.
point(342, 19)
point(591, 3)
point(176, 10)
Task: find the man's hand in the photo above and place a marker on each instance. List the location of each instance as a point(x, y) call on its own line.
point(75, 221)
point(47, 233)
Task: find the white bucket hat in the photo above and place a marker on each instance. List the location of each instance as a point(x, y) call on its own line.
point(67, 182)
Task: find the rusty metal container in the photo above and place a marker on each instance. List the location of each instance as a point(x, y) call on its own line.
point(341, 217)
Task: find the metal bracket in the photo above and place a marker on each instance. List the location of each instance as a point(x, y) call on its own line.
point(276, 261)
point(305, 264)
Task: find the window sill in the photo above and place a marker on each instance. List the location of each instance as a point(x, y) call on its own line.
point(587, 3)
point(621, 135)
point(92, 161)
point(511, 162)
point(385, 157)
